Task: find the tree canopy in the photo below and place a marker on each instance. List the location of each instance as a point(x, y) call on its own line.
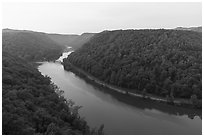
point(31, 104)
point(161, 62)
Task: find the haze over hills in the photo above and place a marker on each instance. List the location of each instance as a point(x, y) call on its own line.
point(82, 39)
point(89, 68)
point(60, 40)
point(159, 62)
point(164, 63)
point(197, 29)
point(63, 39)
point(30, 45)
point(74, 41)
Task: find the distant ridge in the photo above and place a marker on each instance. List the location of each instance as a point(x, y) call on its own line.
point(74, 41)
point(81, 40)
point(197, 29)
point(63, 39)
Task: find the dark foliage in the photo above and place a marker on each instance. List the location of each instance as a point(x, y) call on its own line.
point(166, 63)
point(33, 105)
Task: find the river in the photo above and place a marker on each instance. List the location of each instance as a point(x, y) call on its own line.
point(119, 113)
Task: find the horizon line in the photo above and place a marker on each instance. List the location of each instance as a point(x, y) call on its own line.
point(97, 32)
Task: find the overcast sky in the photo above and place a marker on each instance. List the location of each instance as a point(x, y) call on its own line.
point(77, 18)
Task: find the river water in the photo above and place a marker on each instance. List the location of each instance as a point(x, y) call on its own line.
point(121, 114)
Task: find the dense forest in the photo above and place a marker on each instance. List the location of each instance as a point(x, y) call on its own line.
point(31, 104)
point(166, 63)
point(32, 46)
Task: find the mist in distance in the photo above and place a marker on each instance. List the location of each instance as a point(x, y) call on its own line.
point(77, 18)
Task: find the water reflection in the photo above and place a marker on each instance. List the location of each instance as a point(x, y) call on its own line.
point(122, 114)
point(144, 104)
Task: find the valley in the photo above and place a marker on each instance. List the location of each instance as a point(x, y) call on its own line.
point(112, 78)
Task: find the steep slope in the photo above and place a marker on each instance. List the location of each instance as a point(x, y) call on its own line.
point(197, 29)
point(63, 39)
point(32, 46)
point(166, 63)
point(32, 105)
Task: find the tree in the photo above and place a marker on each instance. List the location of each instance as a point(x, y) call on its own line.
point(52, 129)
point(113, 77)
point(133, 59)
point(195, 101)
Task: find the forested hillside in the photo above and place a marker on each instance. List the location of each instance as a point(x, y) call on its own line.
point(32, 46)
point(31, 104)
point(167, 63)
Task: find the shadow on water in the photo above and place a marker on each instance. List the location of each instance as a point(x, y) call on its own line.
point(143, 104)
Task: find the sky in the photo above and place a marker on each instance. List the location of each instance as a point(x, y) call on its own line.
point(77, 18)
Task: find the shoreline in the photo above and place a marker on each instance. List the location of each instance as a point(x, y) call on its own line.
point(175, 101)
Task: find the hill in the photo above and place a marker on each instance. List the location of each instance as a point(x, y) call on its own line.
point(166, 63)
point(74, 41)
point(81, 40)
point(197, 29)
point(32, 46)
point(63, 39)
point(31, 104)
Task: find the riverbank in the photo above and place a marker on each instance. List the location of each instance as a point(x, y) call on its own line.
point(128, 92)
point(127, 114)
